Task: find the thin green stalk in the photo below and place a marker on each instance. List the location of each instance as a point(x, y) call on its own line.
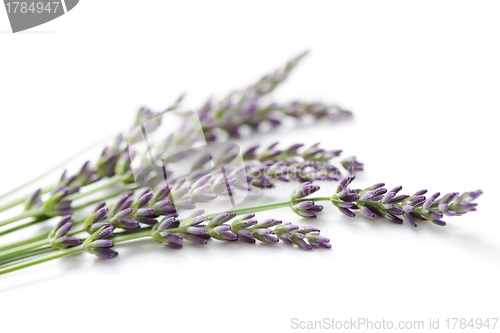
point(19, 201)
point(73, 250)
point(24, 242)
point(109, 196)
point(22, 249)
point(24, 225)
point(26, 255)
point(111, 181)
point(30, 213)
point(248, 210)
point(46, 173)
point(39, 211)
point(56, 255)
point(43, 218)
point(6, 250)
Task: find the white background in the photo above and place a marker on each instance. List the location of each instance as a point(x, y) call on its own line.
point(422, 79)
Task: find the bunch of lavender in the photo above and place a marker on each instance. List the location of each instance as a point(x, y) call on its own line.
point(197, 228)
point(114, 162)
point(136, 218)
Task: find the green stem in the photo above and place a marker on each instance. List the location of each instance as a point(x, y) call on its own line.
point(23, 242)
point(56, 255)
point(20, 201)
point(48, 172)
point(254, 209)
point(63, 253)
point(22, 249)
point(43, 218)
point(146, 231)
point(24, 225)
point(29, 254)
point(109, 196)
point(7, 250)
point(111, 181)
point(37, 212)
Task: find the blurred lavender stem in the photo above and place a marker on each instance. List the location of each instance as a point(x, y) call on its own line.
point(46, 173)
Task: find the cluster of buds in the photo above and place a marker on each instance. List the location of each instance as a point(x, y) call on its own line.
point(99, 245)
point(58, 204)
point(303, 207)
point(313, 163)
point(245, 108)
point(58, 236)
point(198, 229)
point(377, 201)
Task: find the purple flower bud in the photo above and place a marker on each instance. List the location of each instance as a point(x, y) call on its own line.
point(195, 231)
point(305, 230)
point(195, 239)
point(286, 227)
point(367, 212)
point(101, 243)
point(144, 200)
point(145, 212)
point(396, 211)
point(428, 203)
point(298, 239)
point(122, 214)
point(376, 186)
point(399, 198)
point(161, 194)
point(101, 214)
point(368, 196)
point(163, 207)
point(146, 220)
point(96, 226)
point(304, 190)
point(388, 197)
point(105, 253)
point(439, 223)
point(166, 223)
point(264, 235)
point(184, 204)
point(347, 212)
point(419, 193)
point(66, 242)
point(409, 220)
point(344, 183)
point(63, 230)
point(408, 208)
point(435, 215)
point(106, 232)
point(417, 200)
point(396, 189)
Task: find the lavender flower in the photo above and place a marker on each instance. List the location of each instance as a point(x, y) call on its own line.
point(56, 205)
point(58, 236)
point(244, 108)
point(98, 245)
point(170, 232)
point(34, 200)
point(313, 163)
point(377, 201)
point(305, 208)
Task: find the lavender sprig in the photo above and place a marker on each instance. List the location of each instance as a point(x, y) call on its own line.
point(377, 201)
point(58, 237)
point(99, 245)
point(244, 108)
point(170, 232)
